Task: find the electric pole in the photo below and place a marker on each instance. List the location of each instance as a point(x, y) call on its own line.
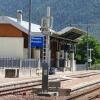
point(87, 48)
point(29, 32)
point(46, 25)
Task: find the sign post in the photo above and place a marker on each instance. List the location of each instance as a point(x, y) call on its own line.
point(37, 41)
point(90, 57)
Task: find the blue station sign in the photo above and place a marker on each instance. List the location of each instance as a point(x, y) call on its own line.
point(37, 41)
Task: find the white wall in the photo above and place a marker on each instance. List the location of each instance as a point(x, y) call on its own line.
point(25, 52)
point(11, 47)
point(36, 53)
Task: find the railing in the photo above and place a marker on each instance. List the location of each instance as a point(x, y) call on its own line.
point(30, 63)
point(80, 67)
point(19, 63)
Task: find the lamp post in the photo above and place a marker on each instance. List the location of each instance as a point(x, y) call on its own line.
point(29, 31)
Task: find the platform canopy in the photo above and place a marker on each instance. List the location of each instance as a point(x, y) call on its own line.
point(71, 33)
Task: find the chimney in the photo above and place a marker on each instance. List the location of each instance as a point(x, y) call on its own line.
point(19, 16)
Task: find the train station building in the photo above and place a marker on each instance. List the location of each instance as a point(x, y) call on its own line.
point(14, 42)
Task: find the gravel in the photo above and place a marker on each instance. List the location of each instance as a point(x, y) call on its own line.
point(14, 97)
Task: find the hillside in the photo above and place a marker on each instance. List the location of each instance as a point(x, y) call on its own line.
point(65, 12)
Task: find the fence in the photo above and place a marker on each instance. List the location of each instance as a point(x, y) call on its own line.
point(19, 63)
point(80, 67)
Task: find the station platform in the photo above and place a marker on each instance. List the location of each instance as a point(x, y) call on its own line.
point(71, 80)
point(74, 81)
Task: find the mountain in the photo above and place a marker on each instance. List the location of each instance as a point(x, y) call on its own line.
point(65, 12)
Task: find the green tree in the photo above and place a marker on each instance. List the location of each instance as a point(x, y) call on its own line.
point(81, 53)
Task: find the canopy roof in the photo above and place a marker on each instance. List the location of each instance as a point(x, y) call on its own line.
point(71, 33)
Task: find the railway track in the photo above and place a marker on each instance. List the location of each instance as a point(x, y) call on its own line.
point(90, 91)
point(18, 87)
point(22, 86)
point(83, 75)
point(86, 92)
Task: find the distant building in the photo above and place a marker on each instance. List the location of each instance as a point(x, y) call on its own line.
point(14, 41)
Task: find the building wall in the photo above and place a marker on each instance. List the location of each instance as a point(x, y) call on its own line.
point(12, 47)
point(13, 42)
point(7, 30)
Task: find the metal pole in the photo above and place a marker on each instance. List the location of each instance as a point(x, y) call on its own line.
point(46, 25)
point(48, 38)
point(87, 49)
point(29, 32)
point(45, 68)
